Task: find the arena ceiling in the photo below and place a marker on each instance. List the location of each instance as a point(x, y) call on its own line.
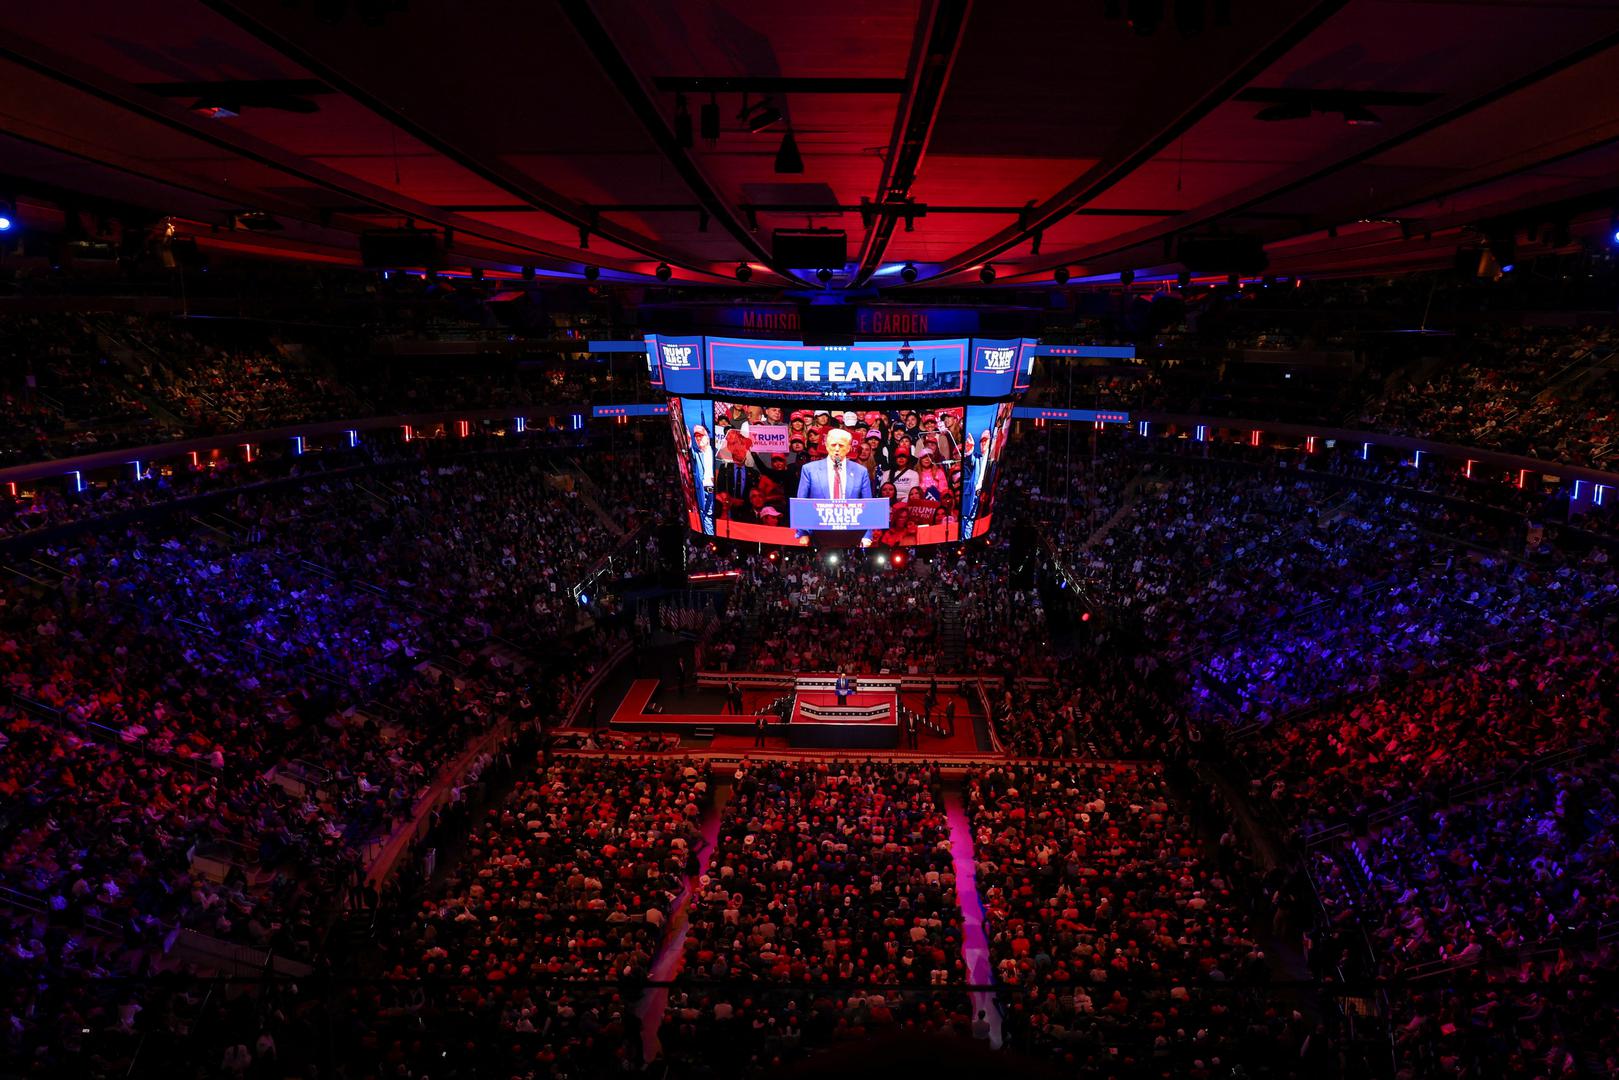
point(1347, 135)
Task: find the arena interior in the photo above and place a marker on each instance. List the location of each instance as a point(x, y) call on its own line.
point(745, 539)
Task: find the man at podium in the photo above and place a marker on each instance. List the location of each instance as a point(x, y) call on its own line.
point(843, 688)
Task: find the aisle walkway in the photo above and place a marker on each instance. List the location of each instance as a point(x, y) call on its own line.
point(667, 962)
point(974, 943)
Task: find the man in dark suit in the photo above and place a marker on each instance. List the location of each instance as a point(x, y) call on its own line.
point(843, 688)
point(759, 730)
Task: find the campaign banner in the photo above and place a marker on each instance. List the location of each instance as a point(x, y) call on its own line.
point(676, 363)
point(866, 370)
point(806, 515)
point(768, 438)
point(1000, 366)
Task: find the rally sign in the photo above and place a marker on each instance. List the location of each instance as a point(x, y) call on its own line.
point(841, 514)
point(768, 438)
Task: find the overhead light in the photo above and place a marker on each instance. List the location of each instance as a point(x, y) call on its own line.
point(682, 123)
point(743, 271)
point(788, 159)
point(907, 273)
point(1127, 278)
point(1184, 279)
point(592, 272)
point(477, 273)
point(986, 273)
point(1284, 110)
point(1060, 275)
point(708, 121)
point(664, 272)
point(7, 216)
point(1360, 116)
point(759, 115)
point(823, 275)
point(528, 273)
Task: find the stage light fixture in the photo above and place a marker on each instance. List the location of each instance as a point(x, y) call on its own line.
point(986, 273)
point(682, 123)
point(788, 159)
point(477, 273)
point(1184, 279)
point(7, 216)
point(1127, 278)
point(823, 275)
point(664, 271)
point(592, 273)
point(743, 271)
point(1061, 275)
point(907, 273)
point(528, 273)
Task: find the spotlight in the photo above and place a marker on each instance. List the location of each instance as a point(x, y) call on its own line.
point(986, 273)
point(882, 560)
point(682, 123)
point(1127, 278)
point(1060, 275)
point(592, 272)
point(664, 272)
point(743, 271)
point(832, 559)
point(1184, 279)
point(788, 159)
point(708, 121)
point(899, 558)
point(823, 275)
point(477, 273)
point(907, 273)
point(528, 273)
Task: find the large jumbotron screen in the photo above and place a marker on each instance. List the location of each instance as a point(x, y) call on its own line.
point(780, 443)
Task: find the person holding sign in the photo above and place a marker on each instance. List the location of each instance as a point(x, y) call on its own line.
point(835, 477)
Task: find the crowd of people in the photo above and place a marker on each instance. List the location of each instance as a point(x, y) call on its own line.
point(828, 911)
point(1118, 943)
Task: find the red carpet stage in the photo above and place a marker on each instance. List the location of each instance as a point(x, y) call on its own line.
point(868, 720)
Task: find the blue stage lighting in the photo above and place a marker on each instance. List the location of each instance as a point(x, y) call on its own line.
point(5, 222)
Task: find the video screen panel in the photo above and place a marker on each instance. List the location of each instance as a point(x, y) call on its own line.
point(742, 465)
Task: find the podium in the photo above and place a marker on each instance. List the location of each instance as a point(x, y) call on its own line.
point(869, 720)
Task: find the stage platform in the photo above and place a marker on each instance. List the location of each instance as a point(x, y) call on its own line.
point(868, 720)
point(686, 712)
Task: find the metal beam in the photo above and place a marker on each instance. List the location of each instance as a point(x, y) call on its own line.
point(518, 184)
point(1097, 180)
point(938, 41)
point(1242, 204)
point(620, 72)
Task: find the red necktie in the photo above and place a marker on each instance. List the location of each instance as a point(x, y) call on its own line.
point(837, 482)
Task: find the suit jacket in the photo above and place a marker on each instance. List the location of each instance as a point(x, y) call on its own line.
point(815, 482)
